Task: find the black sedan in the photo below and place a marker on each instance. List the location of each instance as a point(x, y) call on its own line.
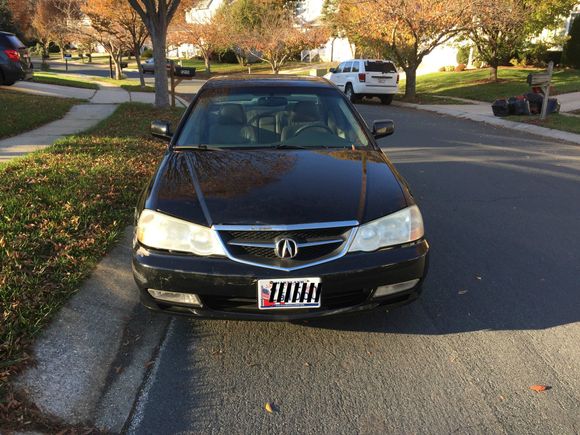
point(274, 201)
point(15, 62)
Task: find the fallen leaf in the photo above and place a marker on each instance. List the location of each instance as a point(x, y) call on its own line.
point(539, 388)
point(478, 277)
point(462, 292)
point(268, 407)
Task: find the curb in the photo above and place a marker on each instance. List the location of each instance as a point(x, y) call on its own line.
point(92, 358)
point(517, 126)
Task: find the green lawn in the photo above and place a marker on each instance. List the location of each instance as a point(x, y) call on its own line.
point(476, 84)
point(61, 210)
point(555, 120)
point(21, 112)
point(62, 80)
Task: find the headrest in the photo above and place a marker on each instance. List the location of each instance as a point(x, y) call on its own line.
point(305, 111)
point(232, 114)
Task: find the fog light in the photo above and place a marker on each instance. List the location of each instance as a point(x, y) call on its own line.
point(176, 298)
point(390, 289)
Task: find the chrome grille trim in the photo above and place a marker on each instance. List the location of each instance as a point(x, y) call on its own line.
point(350, 234)
point(273, 245)
point(313, 226)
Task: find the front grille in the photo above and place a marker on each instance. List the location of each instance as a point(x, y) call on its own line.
point(330, 301)
point(314, 244)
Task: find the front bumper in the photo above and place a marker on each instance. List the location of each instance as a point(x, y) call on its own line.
point(228, 289)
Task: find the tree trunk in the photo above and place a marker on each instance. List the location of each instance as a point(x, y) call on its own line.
point(139, 67)
point(493, 72)
point(117, 66)
point(159, 39)
point(206, 58)
point(411, 83)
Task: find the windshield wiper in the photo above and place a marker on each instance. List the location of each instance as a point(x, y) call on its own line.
point(291, 147)
point(197, 147)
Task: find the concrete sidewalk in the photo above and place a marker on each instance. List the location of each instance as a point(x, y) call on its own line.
point(481, 112)
point(102, 104)
point(78, 119)
point(50, 90)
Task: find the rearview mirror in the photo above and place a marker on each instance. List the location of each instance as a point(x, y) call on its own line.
point(161, 129)
point(383, 128)
point(332, 70)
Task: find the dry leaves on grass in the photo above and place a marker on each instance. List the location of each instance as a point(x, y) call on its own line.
point(539, 388)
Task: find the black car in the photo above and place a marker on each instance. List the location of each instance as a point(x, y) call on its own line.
point(274, 201)
point(15, 62)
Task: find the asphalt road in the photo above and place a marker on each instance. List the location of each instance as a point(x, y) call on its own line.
point(500, 312)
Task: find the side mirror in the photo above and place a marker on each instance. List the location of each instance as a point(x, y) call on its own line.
point(383, 128)
point(332, 70)
point(161, 129)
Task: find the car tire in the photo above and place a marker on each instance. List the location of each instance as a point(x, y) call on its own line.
point(3, 81)
point(387, 99)
point(349, 92)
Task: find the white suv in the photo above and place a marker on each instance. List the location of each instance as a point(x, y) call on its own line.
point(366, 78)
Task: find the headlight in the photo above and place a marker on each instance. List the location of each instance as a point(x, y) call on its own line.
point(403, 226)
point(157, 230)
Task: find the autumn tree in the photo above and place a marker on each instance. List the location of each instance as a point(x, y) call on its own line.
point(21, 12)
point(56, 21)
point(406, 30)
point(157, 15)
point(207, 34)
point(497, 32)
point(137, 33)
point(104, 18)
point(270, 30)
point(501, 28)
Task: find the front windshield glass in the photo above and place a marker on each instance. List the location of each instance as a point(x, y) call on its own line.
point(271, 117)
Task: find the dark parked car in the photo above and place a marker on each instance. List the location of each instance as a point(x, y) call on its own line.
point(15, 62)
point(149, 66)
point(274, 201)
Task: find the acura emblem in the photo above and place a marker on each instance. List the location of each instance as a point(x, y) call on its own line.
point(286, 248)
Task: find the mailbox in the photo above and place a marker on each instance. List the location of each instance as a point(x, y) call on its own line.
point(539, 79)
point(184, 72)
point(68, 56)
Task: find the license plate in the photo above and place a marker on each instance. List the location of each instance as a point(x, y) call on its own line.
point(289, 293)
point(382, 80)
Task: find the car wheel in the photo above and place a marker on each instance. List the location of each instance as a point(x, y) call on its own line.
point(349, 92)
point(387, 99)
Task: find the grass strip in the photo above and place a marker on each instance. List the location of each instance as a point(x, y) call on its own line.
point(61, 210)
point(556, 121)
point(22, 112)
point(62, 80)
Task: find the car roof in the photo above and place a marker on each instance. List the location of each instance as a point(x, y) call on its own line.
point(265, 80)
point(6, 33)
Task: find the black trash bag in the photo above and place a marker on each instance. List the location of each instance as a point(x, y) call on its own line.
point(522, 107)
point(535, 101)
point(512, 101)
point(500, 107)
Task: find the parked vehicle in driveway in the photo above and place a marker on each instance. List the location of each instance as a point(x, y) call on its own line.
point(274, 201)
point(360, 78)
point(149, 66)
point(15, 62)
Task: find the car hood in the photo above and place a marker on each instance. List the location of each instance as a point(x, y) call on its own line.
point(276, 187)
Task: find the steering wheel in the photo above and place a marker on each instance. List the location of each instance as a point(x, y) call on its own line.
point(319, 125)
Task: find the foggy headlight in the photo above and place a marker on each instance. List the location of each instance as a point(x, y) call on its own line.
point(160, 231)
point(401, 227)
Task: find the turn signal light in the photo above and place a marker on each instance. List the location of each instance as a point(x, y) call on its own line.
point(362, 77)
point(13, 55)
point(391, 289)
point(175, 297)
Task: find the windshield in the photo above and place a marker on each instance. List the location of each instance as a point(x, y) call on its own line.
point(271, 117)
